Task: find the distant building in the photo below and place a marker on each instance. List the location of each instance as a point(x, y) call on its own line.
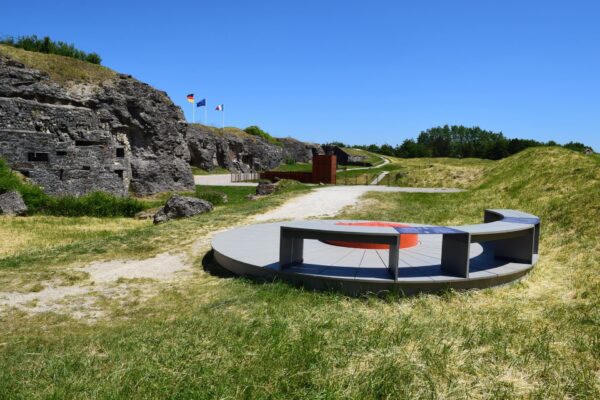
point(344, 157)
point(588, 151)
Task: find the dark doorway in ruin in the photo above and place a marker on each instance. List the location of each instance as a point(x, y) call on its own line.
point(37, 157)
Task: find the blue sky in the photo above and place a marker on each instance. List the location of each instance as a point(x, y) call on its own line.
point(355, 71)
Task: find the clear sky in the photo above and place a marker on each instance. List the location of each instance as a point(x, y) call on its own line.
point(355, 71)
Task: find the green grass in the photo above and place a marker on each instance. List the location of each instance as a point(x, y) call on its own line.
point(370, 158)
point(212, 337)
point(296, 167)
point(60, 68)
point(421, 172)
point(214, 171)
point(96, 204)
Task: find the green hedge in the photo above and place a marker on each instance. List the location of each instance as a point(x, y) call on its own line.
point(48, 46)
point(96, 204)
point(212, 196)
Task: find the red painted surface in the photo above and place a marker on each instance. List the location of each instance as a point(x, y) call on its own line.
point(323, 171)
point(324, 168)
point(406, 239)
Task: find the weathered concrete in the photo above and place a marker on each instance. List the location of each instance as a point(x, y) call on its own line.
point(76, 138)
point(11, 203)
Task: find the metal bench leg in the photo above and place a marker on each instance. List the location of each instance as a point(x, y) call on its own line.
point(536, 238)
point(520, 248)
point(290, 251)
point(455, 253)
point(393, 261)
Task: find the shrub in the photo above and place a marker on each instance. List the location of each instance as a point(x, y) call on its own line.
point(93, 205)
point(257, 131)
point(48, 46)
point(289, 185)
point(212, 196)
point(8, 180)
point(97, 204)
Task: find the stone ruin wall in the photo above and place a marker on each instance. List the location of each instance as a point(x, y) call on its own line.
point(63, 148)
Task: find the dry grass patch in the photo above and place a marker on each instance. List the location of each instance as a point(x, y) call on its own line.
point(60, 68)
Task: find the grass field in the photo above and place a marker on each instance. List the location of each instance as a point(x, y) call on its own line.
point(421, 172)
point(209, 336)
point(371, 159)
point(296, 167)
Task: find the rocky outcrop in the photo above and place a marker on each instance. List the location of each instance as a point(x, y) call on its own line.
point(118, 135)
point(11, 203)
point(265, 188)
point(181, 207)
point(238, 151)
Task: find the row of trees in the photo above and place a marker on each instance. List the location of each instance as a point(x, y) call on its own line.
point(460, 142)
point(48, 46)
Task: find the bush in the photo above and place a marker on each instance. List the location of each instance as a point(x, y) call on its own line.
point(212, 196)
point(97, 204)
point(8, 180)
point(289, 185)
point(257, 131)
point(92, 205)
point(48, 46)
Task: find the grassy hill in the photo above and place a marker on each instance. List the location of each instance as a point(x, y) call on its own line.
point(60, 68)
point(210, 337)
point(369, 158)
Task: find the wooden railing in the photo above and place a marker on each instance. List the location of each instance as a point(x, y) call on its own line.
point(245, 177)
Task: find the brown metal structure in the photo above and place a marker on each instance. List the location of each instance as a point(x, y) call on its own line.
point(323, 171)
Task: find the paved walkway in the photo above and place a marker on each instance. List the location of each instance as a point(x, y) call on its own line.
point(330, 200)
point(385, 161)
point(379, 178)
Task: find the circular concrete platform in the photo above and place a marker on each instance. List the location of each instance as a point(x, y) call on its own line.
point(254, 251)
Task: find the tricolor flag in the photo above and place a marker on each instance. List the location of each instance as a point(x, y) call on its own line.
point(190, 97)
point(220, 107)
point(201, 103)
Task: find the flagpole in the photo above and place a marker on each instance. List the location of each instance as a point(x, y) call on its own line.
point(193, 112)
point(205, 107)
point(223, 117)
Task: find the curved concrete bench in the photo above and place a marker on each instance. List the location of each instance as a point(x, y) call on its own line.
point(514, 235)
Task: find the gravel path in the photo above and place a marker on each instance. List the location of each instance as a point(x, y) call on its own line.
point(329, 201)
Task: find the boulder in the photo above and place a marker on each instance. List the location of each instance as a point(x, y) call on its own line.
point(180, 207)
point(265, 188)
point(11, 203)
point(147, 214)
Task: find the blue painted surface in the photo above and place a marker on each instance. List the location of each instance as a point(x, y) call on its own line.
point(516, 220)
point(429, 230)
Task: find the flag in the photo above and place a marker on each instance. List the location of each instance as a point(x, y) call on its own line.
point(220, 107)
point(190, 97)
point(201, 103)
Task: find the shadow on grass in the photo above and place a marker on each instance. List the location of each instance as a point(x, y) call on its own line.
point(211, 266)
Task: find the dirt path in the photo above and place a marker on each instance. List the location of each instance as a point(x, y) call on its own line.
point(329, 201)
point(118, 279)
point(385, 161)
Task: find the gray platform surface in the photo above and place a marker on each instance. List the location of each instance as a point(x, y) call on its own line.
point(254, 250)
